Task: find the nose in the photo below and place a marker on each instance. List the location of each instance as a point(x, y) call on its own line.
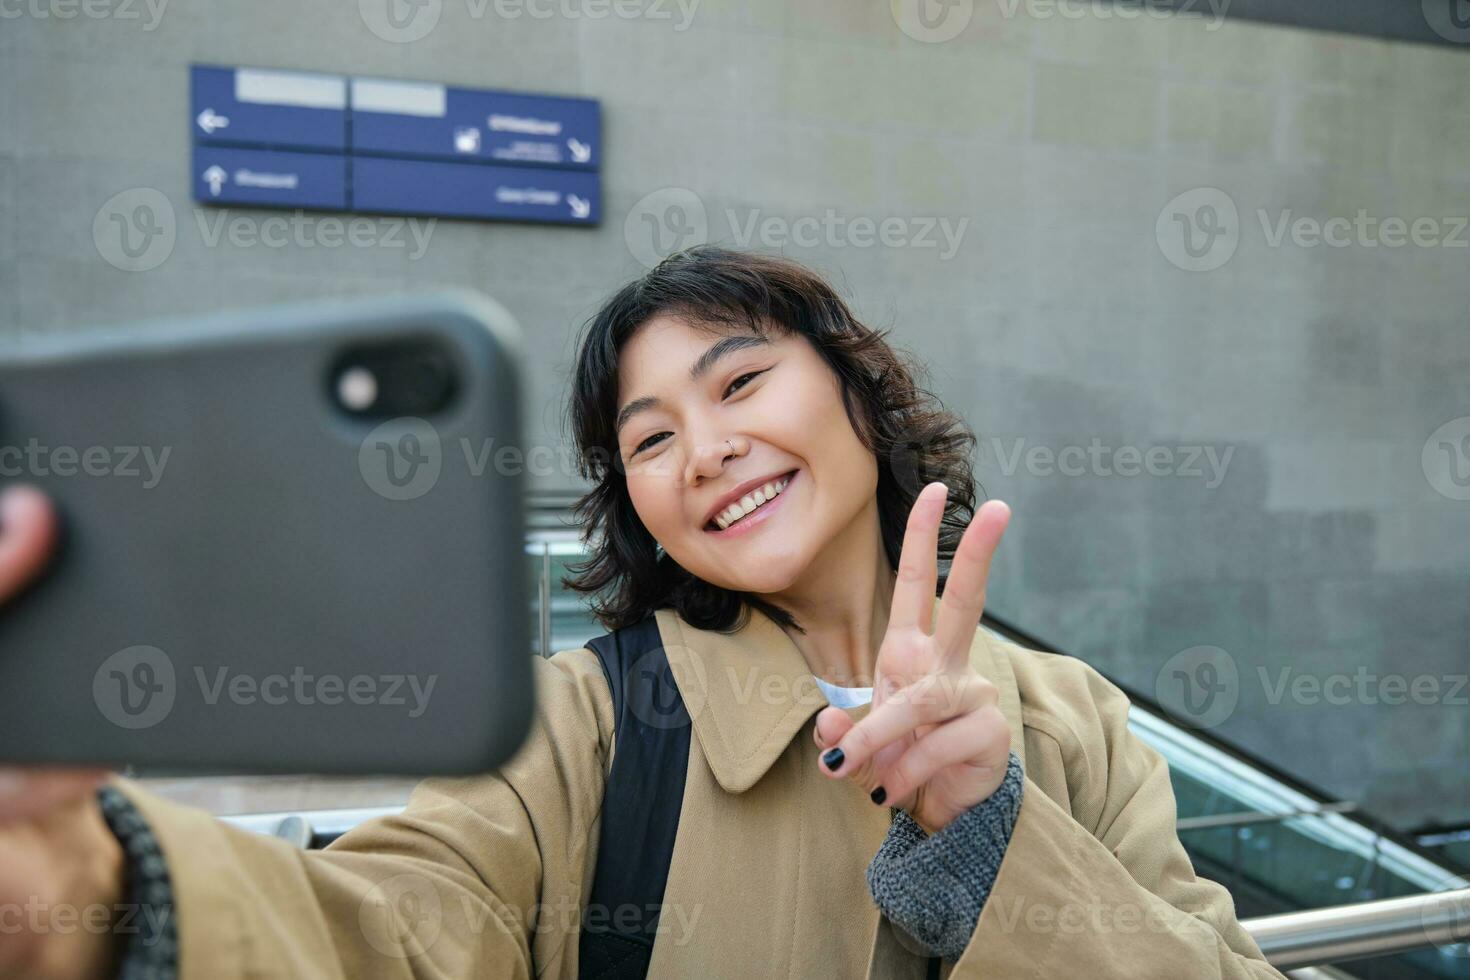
point(707, 460)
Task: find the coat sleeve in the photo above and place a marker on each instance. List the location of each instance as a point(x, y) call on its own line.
point(477, 876)
point(1106, 890)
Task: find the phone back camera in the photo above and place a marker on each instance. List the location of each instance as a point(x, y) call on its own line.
point(414, 377)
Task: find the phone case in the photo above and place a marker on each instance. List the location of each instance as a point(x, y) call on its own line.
point(250, 579)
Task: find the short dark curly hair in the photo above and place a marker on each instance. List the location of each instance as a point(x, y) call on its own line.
point(914, 439)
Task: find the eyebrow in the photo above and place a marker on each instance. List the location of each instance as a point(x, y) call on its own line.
point(701, 367)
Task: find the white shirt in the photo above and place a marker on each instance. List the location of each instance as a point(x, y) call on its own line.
point(844, 697)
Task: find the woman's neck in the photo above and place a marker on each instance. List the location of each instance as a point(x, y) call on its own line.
point(843, 602)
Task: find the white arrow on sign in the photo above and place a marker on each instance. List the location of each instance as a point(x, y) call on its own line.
point(215, 177)
point(209, 121)
point(581, 152)
point(581, 207)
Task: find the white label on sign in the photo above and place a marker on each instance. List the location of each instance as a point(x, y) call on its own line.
point(251, 178)
point(525, 124)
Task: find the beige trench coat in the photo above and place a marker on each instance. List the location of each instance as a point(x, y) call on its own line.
point(486, 876)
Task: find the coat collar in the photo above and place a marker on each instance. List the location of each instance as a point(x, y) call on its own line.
point(749, 692)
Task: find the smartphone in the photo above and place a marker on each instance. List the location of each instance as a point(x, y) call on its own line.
point(291, 542)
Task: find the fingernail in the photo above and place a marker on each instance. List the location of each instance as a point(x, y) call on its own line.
point(832, 758)
point(879, 795)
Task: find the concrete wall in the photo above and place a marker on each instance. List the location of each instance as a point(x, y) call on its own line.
point(1067, 151)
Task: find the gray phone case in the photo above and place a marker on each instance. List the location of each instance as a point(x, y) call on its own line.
point(249, 579)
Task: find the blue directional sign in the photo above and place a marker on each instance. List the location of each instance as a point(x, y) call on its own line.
point(267, 108)
point(228, 175)
point(415, 119)
point(470, 190)
point(273, 138)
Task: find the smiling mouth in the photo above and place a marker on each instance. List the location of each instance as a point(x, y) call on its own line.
point(714, 527)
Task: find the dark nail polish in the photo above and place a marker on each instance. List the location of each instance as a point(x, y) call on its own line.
point(879, 795)
point(832, 758)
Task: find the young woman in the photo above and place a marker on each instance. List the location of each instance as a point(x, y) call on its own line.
point(872, 786)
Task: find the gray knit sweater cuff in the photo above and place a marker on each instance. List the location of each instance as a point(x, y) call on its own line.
point(934, 888)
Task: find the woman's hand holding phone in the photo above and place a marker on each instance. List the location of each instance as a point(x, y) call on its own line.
point(60, 867)
point(935, 742)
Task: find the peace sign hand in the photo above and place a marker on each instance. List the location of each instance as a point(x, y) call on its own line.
point(935, 742)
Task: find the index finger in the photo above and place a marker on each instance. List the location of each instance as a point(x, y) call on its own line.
point(918, 562)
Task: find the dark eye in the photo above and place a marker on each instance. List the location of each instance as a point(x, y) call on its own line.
point(748, 374)
point(647, 442)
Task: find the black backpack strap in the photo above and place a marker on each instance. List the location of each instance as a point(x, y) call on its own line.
point(640, 807)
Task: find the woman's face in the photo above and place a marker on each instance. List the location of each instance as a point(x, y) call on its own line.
point(780, 405)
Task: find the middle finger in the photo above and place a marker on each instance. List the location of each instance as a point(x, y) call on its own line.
point(931, 699)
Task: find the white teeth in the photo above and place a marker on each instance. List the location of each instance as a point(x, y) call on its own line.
point(749, 502)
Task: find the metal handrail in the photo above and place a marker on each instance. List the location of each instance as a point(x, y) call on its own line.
point(1246, 818)
point(1348, 932)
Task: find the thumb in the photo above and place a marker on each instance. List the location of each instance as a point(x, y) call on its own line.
point(832, 724)
point(27, 536)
